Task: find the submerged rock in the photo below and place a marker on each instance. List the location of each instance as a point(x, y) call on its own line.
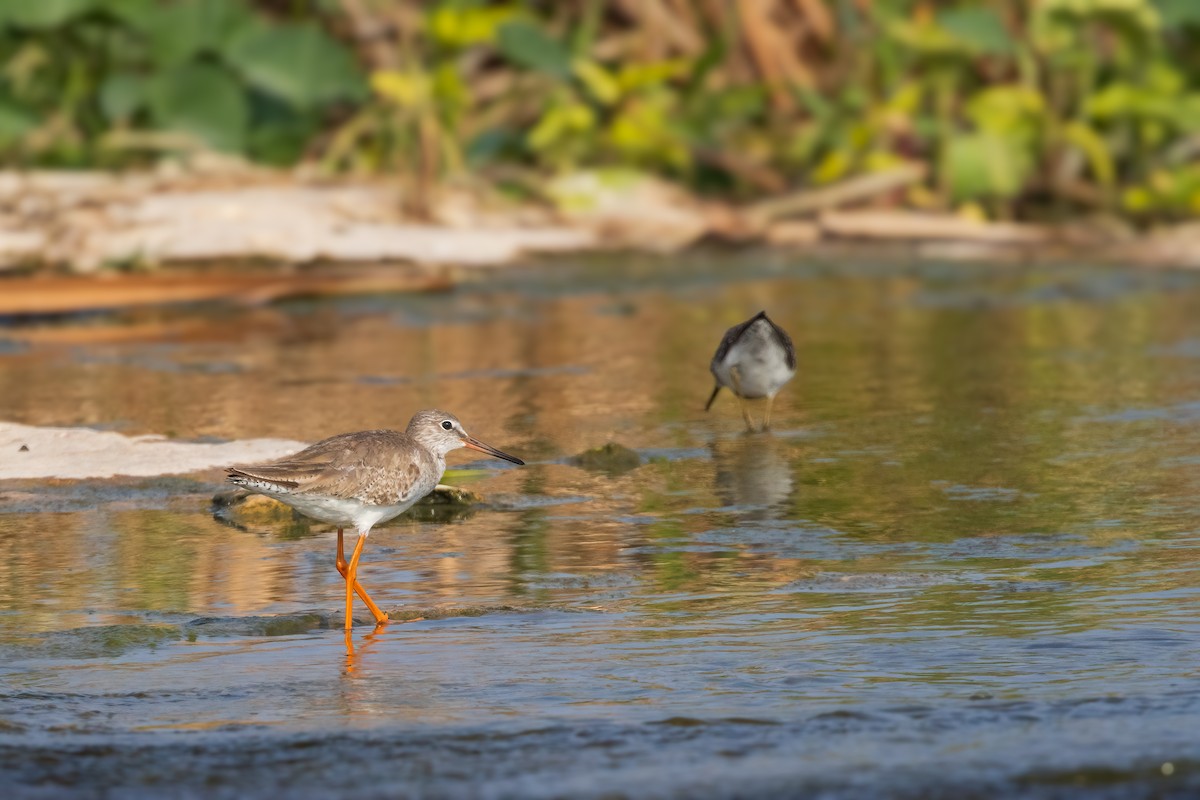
point(244, 508)
point(252, 508)
point(612, 458)
point(443, 495)
point(444, 503)
point(101, 641)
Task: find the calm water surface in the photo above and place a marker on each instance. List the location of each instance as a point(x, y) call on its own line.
point(964, 563)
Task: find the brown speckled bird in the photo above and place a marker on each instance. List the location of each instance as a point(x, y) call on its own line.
point(362, 479)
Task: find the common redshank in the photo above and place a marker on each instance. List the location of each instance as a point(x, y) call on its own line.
point(358, 480)
point(754, 360)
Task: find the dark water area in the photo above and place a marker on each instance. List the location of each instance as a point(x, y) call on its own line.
point(963, 564)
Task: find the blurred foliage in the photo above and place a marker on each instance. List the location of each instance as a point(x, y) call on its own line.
point(104, 82)
point(1022, 108)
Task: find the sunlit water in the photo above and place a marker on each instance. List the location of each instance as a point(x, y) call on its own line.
point(964, 563)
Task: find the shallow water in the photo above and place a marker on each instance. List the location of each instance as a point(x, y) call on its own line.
point(964, 562)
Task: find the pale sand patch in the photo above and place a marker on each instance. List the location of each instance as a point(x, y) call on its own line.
point(87, 453)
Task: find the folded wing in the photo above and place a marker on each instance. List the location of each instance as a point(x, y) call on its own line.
point(377, 467)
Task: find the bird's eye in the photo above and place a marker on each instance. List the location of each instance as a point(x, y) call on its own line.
point(447, 425)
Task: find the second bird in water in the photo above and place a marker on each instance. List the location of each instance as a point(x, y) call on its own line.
point(754, 360)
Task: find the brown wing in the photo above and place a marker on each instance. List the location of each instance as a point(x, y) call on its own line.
point(379, 467)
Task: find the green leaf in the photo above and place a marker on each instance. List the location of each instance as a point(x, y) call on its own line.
point(1121, 100)
point(130, 12)
point(929, 41)
point(646, 132)
point(456, 25)
point(599, 81)
point(527, 45)
point(42, 13)
point(1187, 113)
point(121, 95)
point(15, 122)
point(1094, 148)
point(981, 28)
point(985, 165)
point(491, 144)
point(449, 90)
point(1007, 110)
point(300, 64)
point(181, 30)
point(1178, 13)
point(1135, 21)
point(201, 100)
point(561, 121)
point(278, 133)
point(738, 103)
point(280, 144)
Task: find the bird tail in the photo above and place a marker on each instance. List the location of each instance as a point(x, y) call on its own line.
point(711, 397)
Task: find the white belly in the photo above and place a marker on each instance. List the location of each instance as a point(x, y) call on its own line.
point(345, 513)
point(760, 371)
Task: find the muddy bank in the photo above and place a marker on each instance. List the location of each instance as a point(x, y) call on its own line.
point(48, 295)
point(97, 222)
point(89, 221)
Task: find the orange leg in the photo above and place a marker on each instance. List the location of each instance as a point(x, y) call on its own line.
point(343, 569)
point(380, 616)
point(352, 578)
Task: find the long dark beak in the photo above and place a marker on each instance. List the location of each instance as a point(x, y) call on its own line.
point(712, 397)
point(475, 444)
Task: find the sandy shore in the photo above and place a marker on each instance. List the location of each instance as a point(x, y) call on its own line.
point(30, 452)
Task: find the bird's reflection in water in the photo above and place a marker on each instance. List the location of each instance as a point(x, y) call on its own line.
point(753, 472)
point(355, 656)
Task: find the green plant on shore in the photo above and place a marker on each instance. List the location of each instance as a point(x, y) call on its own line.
point(99, 82)
point(1087, 108)
point(1034, 108)
point(485, 84)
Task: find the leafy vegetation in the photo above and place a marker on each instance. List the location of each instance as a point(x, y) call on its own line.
point(1037, 108)
point(102, 82)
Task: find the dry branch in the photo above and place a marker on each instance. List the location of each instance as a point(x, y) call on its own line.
point(59, 295)
point(853, 190)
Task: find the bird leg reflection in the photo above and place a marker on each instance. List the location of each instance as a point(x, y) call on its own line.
point(380, 616)
point(353, 658)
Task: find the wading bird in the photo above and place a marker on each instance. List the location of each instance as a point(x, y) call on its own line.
point(358, 480)
point(754, 360)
